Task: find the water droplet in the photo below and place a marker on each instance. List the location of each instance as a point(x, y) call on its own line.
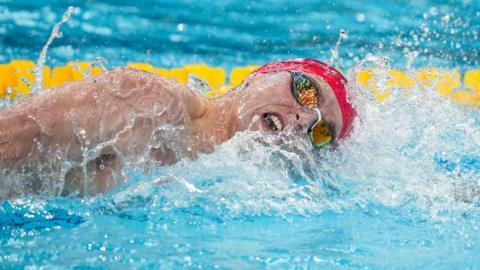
point(360, 17)
point(180, 27)
point(82, 134)
point(446, 18)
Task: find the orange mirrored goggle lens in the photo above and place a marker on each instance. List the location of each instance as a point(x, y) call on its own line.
point(304, 90)
point(308, 97)
point(320, 133)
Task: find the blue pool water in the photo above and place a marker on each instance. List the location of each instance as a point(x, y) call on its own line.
point(402, 193)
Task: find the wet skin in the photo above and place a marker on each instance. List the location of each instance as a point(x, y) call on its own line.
point(89, 130)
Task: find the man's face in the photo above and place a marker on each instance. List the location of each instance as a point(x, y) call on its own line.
point(265, 102)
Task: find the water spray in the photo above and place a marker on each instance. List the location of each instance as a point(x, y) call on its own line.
point(38, 69)
point(342, 36)
point(99, 62)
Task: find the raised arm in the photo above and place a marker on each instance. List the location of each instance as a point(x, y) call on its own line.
point(84, 132)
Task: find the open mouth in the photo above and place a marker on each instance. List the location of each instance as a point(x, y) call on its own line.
point(273, 121)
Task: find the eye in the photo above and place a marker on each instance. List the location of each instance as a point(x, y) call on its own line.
point(304, 90)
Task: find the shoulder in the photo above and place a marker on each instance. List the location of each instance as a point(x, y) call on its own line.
point(129, 77)
point(129, 82)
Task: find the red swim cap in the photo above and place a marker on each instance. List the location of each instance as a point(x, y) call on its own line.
point(329, 74)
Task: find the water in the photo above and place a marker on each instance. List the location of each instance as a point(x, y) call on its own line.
point(403, 192)
point(43, 55)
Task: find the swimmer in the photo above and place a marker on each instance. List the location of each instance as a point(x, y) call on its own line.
point(76, 139)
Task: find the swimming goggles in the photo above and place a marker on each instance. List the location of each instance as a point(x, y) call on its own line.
point(306, 94)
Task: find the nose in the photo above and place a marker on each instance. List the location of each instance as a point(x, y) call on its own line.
point(306, 118)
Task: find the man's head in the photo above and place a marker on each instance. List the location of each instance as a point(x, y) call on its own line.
point(268, 99)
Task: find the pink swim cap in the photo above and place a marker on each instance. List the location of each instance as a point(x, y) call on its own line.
point(329, 74)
